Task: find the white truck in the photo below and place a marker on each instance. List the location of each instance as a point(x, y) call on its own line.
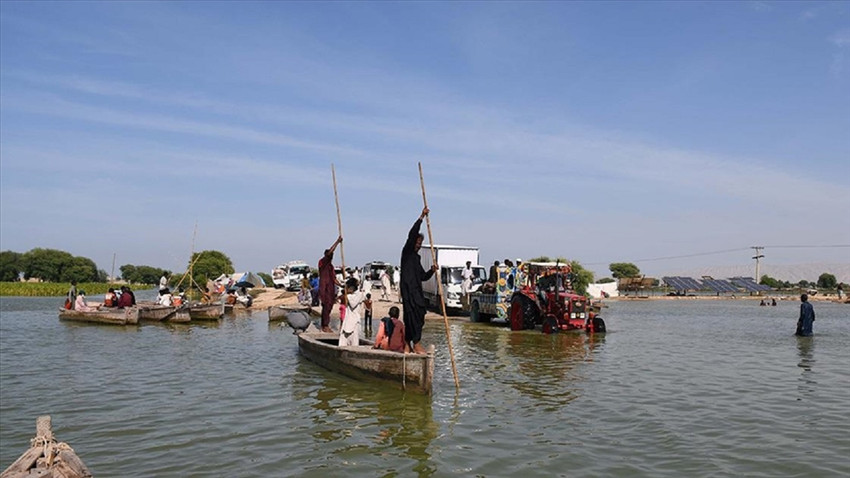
point(288, 276)
point(452, 260)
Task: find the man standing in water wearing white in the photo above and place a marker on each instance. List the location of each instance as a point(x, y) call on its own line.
point(412, 277)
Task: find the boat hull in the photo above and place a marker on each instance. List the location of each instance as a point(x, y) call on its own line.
point(410, 372)
point(128, 316)
point(206, 311)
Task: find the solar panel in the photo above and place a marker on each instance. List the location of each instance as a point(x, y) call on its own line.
point(749, 284)
point(718, 285)
point(682, 283)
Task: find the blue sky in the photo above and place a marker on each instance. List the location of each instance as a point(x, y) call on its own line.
point(602, 132)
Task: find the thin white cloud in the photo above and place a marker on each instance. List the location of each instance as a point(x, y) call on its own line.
point(841, 39)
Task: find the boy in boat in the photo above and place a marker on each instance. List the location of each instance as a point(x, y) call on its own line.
point(349, 329)
point(390, 332)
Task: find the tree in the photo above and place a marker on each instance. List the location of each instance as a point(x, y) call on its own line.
point(209, 265)
point(45, 264)
point(827, 281)
point(605, 280)
point(581, 277)
point(624, 269)
point(770, 282)
point(142, 274)
point(81, 269)
point(10, 266)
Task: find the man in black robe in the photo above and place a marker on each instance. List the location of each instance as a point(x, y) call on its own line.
point(412, 277)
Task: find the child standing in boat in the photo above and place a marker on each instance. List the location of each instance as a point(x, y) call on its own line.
point(349, 329)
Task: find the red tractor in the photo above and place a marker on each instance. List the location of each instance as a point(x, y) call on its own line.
point(544, 298)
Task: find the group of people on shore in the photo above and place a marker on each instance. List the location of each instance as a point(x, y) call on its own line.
point(394, 333)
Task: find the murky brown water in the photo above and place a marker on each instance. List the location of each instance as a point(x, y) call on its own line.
point(693, 388)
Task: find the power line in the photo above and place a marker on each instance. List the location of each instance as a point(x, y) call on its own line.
point(726, 251)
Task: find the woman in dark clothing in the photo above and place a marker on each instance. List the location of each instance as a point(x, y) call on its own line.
point(412, 277)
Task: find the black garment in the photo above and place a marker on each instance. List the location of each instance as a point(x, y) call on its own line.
point(412, 276)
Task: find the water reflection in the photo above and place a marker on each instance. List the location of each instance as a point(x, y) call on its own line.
point(362, 414)
point(543, 368)
point(806, 354)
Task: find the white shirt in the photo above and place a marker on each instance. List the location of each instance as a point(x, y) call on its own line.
point(165, 299)
point(467, 280)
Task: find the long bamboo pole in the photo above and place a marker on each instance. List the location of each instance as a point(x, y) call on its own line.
point(339, 227)
point(439, 281)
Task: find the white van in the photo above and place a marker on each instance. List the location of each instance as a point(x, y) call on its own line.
point(288, 276)
point(371, 274)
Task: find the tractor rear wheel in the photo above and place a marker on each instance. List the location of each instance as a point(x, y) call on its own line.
point(524, 313)
point(475, 312)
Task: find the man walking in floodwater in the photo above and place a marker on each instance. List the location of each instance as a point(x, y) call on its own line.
point(807, 317)
point(327, 284)
point(412, 277)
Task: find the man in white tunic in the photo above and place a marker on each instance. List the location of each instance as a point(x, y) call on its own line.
point(466, 285)
point(385, 285)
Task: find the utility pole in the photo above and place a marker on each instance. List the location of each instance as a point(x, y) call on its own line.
point(757, 257)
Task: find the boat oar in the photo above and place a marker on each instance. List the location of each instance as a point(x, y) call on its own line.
point(439, 282)
point(339, 227)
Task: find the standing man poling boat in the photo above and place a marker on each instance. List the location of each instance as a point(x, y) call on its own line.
point(412, 276)
point(327, 284)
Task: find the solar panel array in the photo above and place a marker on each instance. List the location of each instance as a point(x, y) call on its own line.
point(682, 283)
point(718, 285)
point(749, 284)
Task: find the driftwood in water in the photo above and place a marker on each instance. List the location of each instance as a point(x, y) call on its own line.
point(46, 458)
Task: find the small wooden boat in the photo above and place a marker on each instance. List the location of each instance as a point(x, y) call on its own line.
point(156, 312)
point(46, 457)
point(206, 311)
point(126, 316)
point(237, 308)
point(411, 372)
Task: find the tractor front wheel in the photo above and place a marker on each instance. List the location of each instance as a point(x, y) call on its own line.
point(598, 325)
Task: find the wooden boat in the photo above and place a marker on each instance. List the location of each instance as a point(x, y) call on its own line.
point(206, 311)
point(237, 308)
point(156, 312)
point(411, 372)
point(127, 316)
point(46, 457)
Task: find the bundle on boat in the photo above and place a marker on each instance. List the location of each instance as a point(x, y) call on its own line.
point(47, 458)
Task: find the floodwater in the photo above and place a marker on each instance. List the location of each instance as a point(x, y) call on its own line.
point(676, 388)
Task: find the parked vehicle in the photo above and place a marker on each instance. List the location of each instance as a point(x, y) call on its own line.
point(452, 260)
point(288, 276)
point(371, 274)
point(537, 293)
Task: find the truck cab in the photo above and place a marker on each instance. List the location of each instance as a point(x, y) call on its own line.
point(452, 260)
point(288, 276)
point(372, 274)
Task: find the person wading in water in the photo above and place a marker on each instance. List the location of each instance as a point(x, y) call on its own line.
point(412, 277)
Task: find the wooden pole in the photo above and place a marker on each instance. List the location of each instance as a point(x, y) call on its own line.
point(112, 274)
point(439, 282)
point(339, 227)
